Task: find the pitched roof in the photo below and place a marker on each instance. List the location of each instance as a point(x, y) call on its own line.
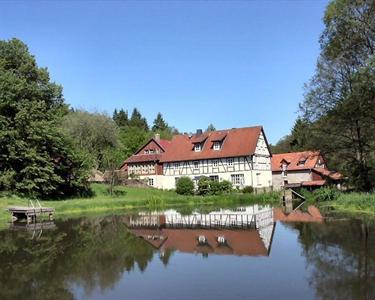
point(327, 173)
point(293, 159)
point(164, 143)
point(142, 157)
point(235, 142)
point(313, 183)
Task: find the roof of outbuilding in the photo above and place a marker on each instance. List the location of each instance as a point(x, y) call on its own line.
point(293, 158)
point(235, 142)
point(314, 183)
point(327, 173)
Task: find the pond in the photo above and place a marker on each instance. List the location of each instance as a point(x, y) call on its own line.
point(243, 253)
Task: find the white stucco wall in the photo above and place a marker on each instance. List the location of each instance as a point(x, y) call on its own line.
point(291, 177)
point(158, 180)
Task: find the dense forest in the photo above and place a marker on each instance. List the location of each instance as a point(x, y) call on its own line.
point(337, 115)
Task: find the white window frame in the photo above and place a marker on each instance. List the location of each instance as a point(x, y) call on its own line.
point(258, 178)
point(196, 165)
point(230, 161)
point(151, 181)
point(217, 146)
point(284, 171)
point(214, 178)
point(215, 163)
point(198, 147)
point(176, 165)
point(238, 179)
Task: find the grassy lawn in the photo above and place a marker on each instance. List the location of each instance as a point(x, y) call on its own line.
point(362, 203)
point(134, 198)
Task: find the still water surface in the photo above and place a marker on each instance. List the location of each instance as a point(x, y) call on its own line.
point(170, 256)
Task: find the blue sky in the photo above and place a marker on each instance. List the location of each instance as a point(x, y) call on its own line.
point(229, 63)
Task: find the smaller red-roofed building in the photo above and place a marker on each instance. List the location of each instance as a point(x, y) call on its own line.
point(307, 169)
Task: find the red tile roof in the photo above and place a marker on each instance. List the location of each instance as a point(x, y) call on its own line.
point(314, 183)
point(164, 143)
point(236, 142)
point(327, 173)
point(143, 158)
point(293, 158)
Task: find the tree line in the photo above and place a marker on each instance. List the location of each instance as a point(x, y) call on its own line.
point(48, 149)
point(337, 114)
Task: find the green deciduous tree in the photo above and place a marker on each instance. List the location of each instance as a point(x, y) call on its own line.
point(92, 133)
point(35, 158)
point(340, 98)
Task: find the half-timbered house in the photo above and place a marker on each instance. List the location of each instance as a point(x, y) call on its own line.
point(240, 155)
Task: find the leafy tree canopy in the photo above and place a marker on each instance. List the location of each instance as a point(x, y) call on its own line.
point(340, 99)
point(93, 133)
point(35, 158)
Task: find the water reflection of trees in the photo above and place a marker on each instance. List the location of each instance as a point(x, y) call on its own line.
point(93, 253)
point(341, 258)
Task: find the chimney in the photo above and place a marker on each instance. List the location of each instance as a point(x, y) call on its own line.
point(199, 131)
point(157, 137)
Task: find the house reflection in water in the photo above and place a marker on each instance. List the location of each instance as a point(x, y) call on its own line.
point(244, 231)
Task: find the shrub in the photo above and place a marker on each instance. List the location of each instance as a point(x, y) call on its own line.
point(326, 194)
point(215, 187)
point(248, 189)
point(204, 186)
point(226, 186)
point(185, 186)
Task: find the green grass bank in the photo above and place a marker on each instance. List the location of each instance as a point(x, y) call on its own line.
point(354, 203)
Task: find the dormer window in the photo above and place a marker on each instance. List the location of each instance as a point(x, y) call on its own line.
point(284, 167)
point(302, 161)
point(217, 146)
point(146, 151)
point(198, 147)
point(320, 164)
